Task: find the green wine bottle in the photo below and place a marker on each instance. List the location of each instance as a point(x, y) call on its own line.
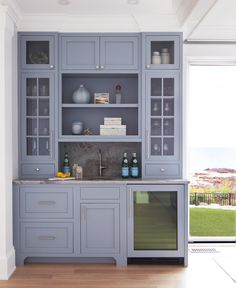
point(125, 166)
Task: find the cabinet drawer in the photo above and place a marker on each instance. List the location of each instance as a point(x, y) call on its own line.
point(37, 170)
point(162, 170)
point(46, 237)
point(44, 202)
point(100, 193)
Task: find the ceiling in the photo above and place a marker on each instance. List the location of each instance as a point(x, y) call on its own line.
point(202, 20)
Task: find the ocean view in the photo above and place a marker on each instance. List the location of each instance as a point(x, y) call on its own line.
point(201, 158)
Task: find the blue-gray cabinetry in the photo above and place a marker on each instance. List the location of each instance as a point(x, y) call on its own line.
point(38, 51)
point(157, 221)
point(37, 88)
point(83, 221)
point(162, 106)
point(96, 52)
point(156, 42)
point(43, 221)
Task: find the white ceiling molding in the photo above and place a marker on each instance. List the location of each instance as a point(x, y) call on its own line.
point(184, 9)
point(197, 15)
point(13, 10)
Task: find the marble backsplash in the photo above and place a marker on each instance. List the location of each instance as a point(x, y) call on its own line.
point(87, 156)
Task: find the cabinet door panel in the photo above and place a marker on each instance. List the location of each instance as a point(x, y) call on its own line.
point(100, 228)
point(37, 112)
point(168, 48)
point(79, 52)
point(37, 52)
point(119, 52)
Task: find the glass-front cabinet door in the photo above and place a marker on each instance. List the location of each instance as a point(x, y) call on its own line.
point(37, 52)
point(156, 221)
point(37, 111)
point(162, 52)
point(162, 116)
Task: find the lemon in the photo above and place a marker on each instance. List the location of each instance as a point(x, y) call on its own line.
point(59, 174)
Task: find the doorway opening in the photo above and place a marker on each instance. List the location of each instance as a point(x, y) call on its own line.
point(212, 153)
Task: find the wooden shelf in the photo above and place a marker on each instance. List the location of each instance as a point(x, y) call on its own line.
point(98, 138)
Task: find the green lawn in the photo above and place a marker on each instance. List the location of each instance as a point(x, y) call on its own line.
point(212, 222)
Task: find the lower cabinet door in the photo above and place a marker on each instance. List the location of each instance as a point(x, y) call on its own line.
point(46, 238)
point(100, 228)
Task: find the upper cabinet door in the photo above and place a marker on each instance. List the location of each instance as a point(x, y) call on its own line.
point(79, 52)
point(161, 52)
point(37, 52)
point(119, 52)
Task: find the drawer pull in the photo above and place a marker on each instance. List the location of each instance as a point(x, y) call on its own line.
point(37, 169)
point(163, 169)
point(48, 203)
point(45, 237)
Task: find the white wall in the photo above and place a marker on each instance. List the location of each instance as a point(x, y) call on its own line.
point(8, 153)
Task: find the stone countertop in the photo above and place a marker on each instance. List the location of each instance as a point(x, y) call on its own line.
point(95, 181)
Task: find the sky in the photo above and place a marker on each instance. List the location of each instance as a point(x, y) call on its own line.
point(212, 106)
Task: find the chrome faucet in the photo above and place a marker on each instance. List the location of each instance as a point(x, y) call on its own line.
point(100, 163)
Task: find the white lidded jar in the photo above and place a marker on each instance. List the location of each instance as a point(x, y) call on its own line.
point(77, 127)
point(81, 95)
point(165, 56)
point(156, 58)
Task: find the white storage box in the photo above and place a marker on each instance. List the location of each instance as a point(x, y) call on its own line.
point(113, 130)
point(112, 121)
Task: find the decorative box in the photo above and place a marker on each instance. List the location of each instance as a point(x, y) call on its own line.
point(113, 130)
point(112, 120)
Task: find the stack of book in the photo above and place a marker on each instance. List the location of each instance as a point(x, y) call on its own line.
point(113, 127)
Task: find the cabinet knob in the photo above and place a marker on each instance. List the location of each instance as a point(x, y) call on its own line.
point(163, 169)
point(102, 67)
point(37, 169)
point(147, 66)
point(51, 66)
point(97, 66)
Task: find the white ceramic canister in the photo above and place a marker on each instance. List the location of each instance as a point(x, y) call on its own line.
point(156, 58)
point(165, 56)
point(77, 127)
point(81, 95)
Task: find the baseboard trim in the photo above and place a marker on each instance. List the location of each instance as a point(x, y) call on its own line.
point(7, 265)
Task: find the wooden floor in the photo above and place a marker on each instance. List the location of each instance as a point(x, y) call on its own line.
point(202, 272)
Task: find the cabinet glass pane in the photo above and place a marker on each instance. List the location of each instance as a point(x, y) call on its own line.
point(165, 49)
point(43, 127)
point(37, 52)
point(44, 107)
point(156, 109)
point(168, 146)
point(44, 144)
point(156, 87)
point(43, 87)
point(31, 87)
point(156, 146)
point(31, 146)
point(156, 127)
point(168, 127)
point(31, 125)
point(31, 107)
point(168, 87)
point(155, 220)
point(168, 107)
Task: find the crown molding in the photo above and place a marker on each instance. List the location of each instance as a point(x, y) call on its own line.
point(184, 9)
point(12, 9)
point(198, 14)
point(214, 33)
point(95, 23)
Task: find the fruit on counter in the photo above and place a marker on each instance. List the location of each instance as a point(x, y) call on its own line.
point(60, 174)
